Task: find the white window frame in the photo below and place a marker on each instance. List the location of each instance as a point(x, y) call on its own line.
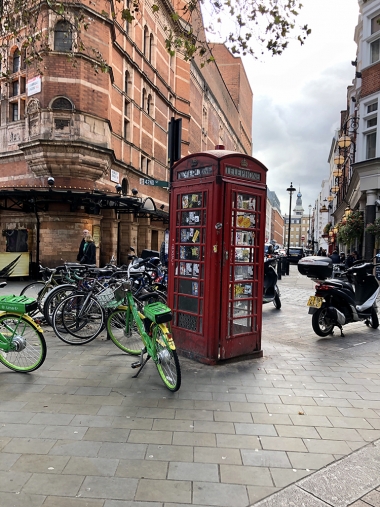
point(365, 130)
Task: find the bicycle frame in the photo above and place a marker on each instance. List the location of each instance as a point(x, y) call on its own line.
point(149, 343)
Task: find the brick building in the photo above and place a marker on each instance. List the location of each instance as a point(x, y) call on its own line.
point(92, 131)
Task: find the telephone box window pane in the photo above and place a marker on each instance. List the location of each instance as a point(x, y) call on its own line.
point(246, 220)
point(189, 252)
point(240, 326)
point(191, 201)
point(243, 290)
point(185, 286)
point(187, 321)
point(191, 218)
point(188, 304)
point(245, 238)
point(245, 201)
point(243, 272)
point(190, 235)
point(243, 255)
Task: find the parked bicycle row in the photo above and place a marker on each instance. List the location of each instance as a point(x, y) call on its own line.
point(80, 301)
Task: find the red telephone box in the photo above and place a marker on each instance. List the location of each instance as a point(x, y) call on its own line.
point(216, 255)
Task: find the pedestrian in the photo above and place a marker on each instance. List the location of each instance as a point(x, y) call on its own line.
point(80, 252)
point(342, 256)
point(324, 253)
point(320, 251)
point(349, 260)
point(335, 257)
point(89, 251)
point(357, 256)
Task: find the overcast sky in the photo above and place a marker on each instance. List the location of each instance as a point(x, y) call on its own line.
point(298, 98)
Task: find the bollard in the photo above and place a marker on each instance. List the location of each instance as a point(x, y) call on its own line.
point(279, 270)
point(283, 265)
point(287, 263)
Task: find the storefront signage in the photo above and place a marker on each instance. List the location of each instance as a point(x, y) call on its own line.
point(243, 173)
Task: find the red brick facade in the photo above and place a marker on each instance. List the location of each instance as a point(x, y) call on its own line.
point(113, 121)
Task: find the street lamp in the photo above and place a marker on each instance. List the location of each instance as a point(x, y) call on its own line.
point(290, 189)
point(309, 237)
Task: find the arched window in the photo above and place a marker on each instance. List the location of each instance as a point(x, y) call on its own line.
point(63, 37)
point(16, 60)
point(151, 41)
point(146, 41)
point(62, 103)
point(124, 186)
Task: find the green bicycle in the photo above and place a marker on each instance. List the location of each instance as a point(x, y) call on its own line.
point(144, 330)
point(22, 344)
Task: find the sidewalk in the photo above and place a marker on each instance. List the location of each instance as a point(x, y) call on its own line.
point(292, 428)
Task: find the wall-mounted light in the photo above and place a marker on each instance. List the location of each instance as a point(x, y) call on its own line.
point(118, 188)
point(134, 191)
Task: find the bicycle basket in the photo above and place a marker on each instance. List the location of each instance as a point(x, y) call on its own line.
point(158, 312)
point(111, 297)
point(19, 304)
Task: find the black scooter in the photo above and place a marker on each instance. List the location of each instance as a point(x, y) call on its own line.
point(271, 291)
point(339, 302)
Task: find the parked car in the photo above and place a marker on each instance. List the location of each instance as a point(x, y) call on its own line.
point(295, 254)
point(282, 252)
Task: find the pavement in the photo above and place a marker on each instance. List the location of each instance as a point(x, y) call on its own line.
point(298, 427)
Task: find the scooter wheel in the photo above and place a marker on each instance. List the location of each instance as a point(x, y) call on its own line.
point(321, 325)
point(374, 320)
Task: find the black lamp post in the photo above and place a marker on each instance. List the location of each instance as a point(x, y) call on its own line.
point(291, 189)
point(309, 232)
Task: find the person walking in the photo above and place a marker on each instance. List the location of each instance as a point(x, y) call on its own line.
point(89, 251)
point(320, 251)
point(335, 257)
point(82, 243)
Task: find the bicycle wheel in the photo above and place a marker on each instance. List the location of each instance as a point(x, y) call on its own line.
point(167, 359)
point(54, 297)
point(38, 291)
point(81, 316)
point(28, 342)
point(124, 335)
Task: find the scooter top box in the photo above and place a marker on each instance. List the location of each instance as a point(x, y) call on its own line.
point(316, 267)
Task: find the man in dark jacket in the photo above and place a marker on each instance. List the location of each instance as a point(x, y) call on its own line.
point(335, 257)
point(89, 251)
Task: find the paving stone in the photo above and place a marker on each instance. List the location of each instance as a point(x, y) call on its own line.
point(339, 434)
point(283, 444)
point(310, 420)
point(255, 476)
point(63, 432)
point(21, 499)
point(20, 430)
point(282, 477)
point(283, 409)
point(53, 484)
point(249, 407)
point(255, 429)
point(91, 466)
point(214, 427)
point(217, 455)
point(327, 446)
point(142, 469)
point(194, 415)
point(238, 441)
point(133, 423)
point(15, 417)
point(29, 446)
point(193, 472)
point(372, 498)
point(38, 463)
point(271, 419)
point(350, 422)
point(223, 495)
point(150, 437)
point(296, 431)
point(312, 461)
point(257, 493)
point(264, 458)
point(234, 417)
point(167, 453)
point(109, 487)
point(194, 439)
point(105, 435)
point(164, 491)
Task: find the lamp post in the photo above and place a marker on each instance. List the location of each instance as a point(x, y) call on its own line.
point(290, 189)
point(308, 235)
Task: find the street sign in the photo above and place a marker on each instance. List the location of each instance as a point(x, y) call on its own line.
point(303, 238)
point(154, 183)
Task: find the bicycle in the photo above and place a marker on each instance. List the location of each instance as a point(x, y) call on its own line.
point(144, 330)
point(22, 344)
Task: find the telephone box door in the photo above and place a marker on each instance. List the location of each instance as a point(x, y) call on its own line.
point(244, 230)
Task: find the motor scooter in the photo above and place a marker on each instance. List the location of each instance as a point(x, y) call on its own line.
point(338, 302)
point(271, 291)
